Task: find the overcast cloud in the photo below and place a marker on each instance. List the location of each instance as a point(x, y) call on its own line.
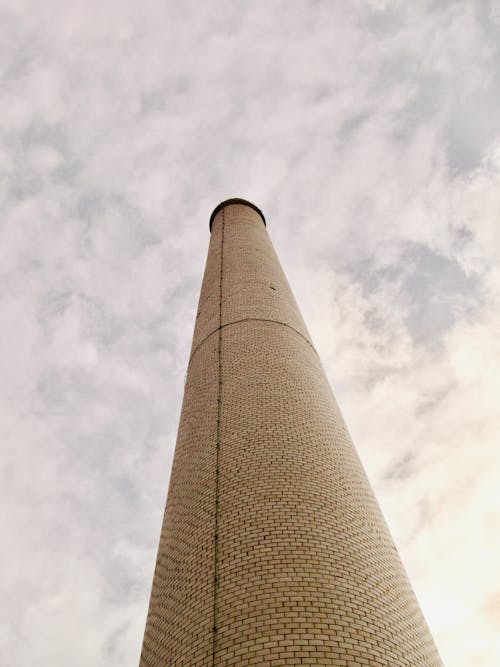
point(368, 133)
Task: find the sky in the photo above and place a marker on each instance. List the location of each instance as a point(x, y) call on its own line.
point(368, 132)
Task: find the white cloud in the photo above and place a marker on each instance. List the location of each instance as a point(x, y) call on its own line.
point(364, 132)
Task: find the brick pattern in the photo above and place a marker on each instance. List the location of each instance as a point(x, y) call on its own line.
point(307, 573)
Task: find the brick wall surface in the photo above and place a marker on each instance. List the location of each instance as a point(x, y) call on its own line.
point(273, 549)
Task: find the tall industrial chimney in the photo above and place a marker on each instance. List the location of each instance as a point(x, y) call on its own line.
point(273, 549)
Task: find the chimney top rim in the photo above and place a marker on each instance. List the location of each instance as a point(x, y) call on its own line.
point(235, 200)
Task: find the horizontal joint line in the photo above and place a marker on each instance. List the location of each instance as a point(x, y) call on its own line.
point(249, 319)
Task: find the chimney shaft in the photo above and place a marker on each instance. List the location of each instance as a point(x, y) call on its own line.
point(273, 549)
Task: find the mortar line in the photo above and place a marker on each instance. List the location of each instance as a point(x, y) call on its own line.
point(217, 449)
point(250, 319)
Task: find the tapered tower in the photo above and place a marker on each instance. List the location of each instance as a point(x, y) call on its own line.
point(273, 549)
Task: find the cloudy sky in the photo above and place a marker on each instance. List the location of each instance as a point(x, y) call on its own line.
point(368, 132)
